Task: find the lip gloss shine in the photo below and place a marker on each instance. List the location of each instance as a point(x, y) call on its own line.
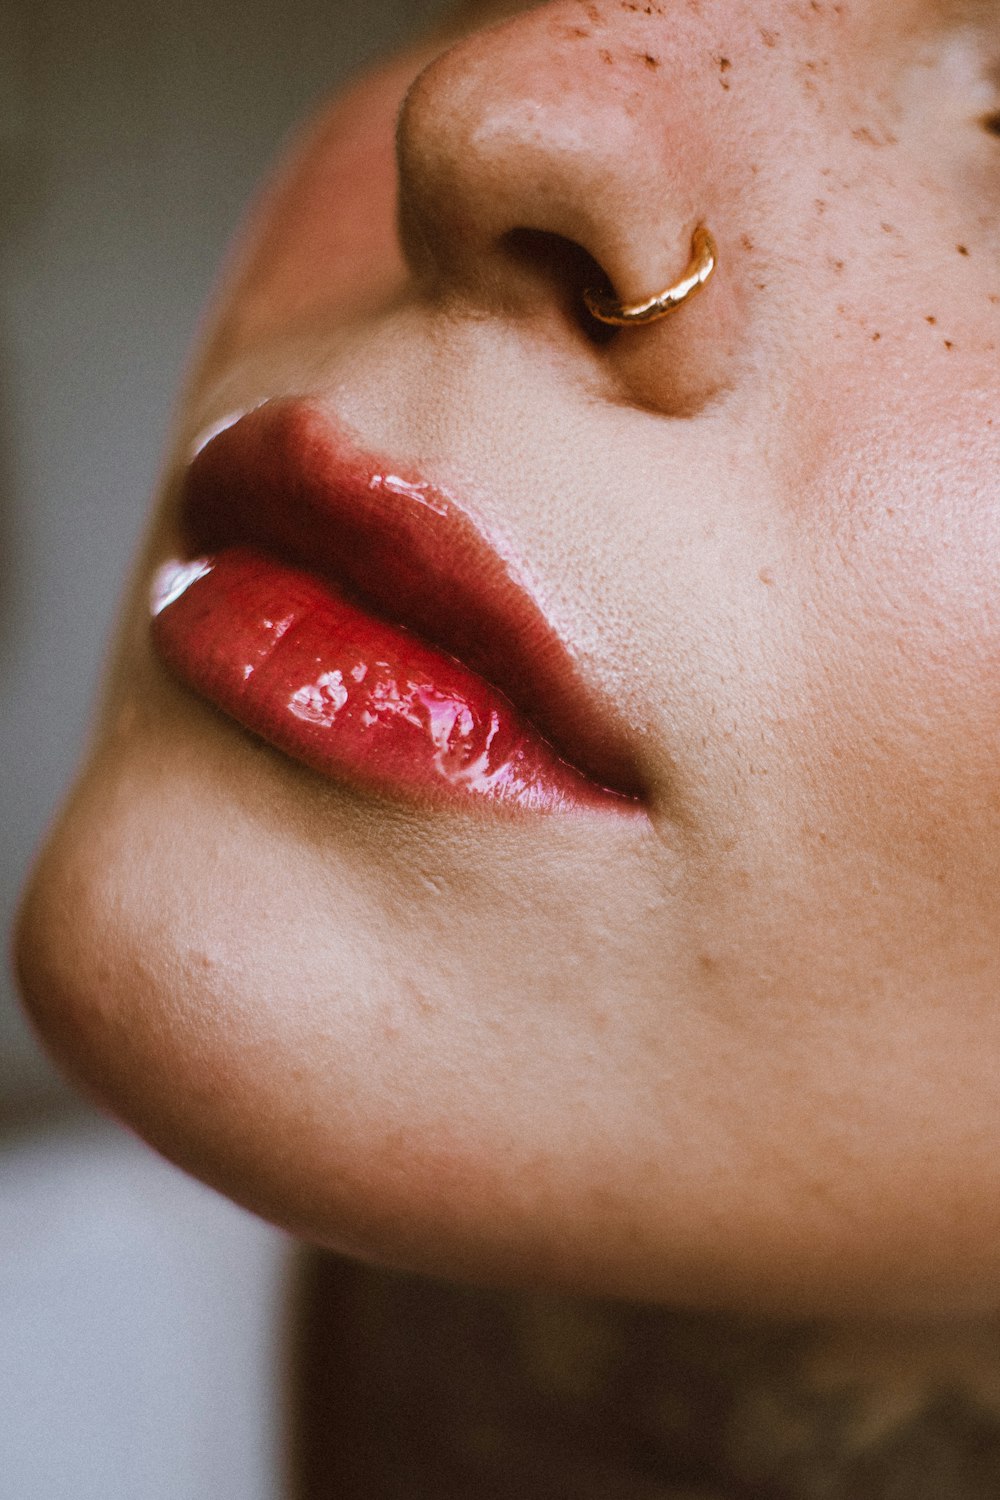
point(350, 696)
point(354, 619)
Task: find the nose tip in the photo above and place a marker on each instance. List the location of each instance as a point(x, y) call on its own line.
point(525, 128)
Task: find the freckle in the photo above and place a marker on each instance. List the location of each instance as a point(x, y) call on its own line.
point(930, 318)
point(887, 228)
point(651, 62)
point(838, 265)
point(876, 337)
point(605, 56)
point(766, 576)
point(962, 249)
point(769, 38)
point(724, 64)
point(762, 286)
point(948, 344)
point(820, 205)
point(746, 242)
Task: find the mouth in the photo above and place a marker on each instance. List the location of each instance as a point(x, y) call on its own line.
point(355, 618)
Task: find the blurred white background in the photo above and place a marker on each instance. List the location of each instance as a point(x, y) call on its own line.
point(140, 1315)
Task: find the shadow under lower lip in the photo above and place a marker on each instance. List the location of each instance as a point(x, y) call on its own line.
point(290, 659)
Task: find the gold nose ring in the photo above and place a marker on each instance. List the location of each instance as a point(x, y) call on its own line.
point(633, 314)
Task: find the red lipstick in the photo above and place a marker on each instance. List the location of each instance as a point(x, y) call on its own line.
point(355, 618)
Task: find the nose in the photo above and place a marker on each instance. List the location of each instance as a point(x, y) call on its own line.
point(556, 149)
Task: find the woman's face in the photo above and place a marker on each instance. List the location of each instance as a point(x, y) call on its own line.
point(733, 1040)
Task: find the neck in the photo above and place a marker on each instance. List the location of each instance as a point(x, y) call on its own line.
point(407, 1387)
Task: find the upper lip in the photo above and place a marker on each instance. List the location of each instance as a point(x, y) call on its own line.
point(282, 479)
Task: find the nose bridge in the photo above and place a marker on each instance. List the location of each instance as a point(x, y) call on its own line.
point(550, 122)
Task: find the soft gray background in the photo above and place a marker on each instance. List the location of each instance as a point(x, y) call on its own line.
point(139, 1314)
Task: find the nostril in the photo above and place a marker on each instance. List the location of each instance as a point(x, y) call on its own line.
point(567, 269)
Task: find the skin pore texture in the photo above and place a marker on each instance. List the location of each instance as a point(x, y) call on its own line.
point(738, 1054)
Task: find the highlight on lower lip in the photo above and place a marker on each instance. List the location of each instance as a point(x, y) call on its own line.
point(283, 480)
point(355, 698)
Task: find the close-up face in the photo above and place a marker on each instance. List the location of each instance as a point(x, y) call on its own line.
point(543, 822)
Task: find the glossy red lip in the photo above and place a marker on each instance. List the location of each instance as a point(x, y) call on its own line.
point(355, 618)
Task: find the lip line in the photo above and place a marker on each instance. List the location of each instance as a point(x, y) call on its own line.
point(284, 480)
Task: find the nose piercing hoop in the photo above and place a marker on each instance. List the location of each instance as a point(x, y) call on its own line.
point(633, 314)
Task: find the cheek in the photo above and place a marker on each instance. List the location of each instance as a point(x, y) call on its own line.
point(321, 240)
point(906, 695)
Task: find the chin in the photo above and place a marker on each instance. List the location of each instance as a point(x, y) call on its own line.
point(471, 1116)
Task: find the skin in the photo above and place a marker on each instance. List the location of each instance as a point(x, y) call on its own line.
point(739, 1055)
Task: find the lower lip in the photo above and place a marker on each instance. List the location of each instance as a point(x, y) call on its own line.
point(350, 696)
